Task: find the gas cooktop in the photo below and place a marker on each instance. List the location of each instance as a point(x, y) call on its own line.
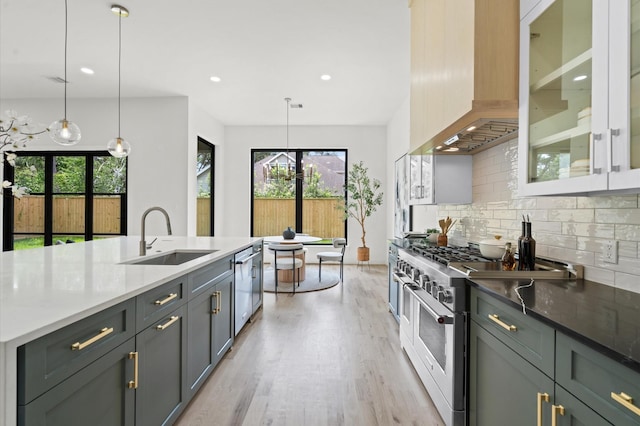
point(446, 254)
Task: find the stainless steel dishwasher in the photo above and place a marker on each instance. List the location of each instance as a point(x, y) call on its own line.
point(243, 286)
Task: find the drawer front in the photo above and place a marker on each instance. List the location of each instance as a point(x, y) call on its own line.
point(593, 377)
point(201, 279)
point(49, 360)
point(155, 304)
point(530, 338)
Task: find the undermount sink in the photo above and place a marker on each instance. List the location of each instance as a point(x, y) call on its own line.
point(176, 257)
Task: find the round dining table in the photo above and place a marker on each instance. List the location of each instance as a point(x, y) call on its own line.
point(284, 275)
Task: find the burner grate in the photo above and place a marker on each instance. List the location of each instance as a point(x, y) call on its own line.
point(445, 255)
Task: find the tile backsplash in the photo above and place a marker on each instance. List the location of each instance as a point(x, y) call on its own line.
point(570, 228)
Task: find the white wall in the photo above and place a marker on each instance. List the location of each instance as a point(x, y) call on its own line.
point(366, 143)
point(162, 159)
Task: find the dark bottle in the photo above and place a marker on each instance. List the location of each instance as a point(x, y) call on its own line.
point(526, 249)
point(508, 259)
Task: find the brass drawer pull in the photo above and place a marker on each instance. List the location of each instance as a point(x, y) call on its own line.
point(495, 318)
point(103, 333)
point(626, 401)
point(215, 310)
point(555, 410)
point(542, 397)
point(218, 296)
point(133, 384)
point(168, 323)
point(170, 297)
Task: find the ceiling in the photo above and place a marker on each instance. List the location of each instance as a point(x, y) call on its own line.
point(263, 51)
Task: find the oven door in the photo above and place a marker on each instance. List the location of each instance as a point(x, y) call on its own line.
point(439, 342)
point(406, 312)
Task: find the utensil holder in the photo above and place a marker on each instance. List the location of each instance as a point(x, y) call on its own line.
point(443, 240)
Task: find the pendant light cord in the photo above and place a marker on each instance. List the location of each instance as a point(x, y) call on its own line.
point(287, 110)
point(119, 64)
point(65, 57)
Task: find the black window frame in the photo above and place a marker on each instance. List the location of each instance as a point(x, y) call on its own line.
point(8, 206)
point(212, 182)
point(298, 152)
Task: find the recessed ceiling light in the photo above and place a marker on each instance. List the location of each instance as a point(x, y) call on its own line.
point(452, 149)
point(215, 79)
point(580, 78)
point(325, 77)
point(471, 128)
point(86, 70)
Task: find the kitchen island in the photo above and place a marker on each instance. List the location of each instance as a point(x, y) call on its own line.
point(47, 289)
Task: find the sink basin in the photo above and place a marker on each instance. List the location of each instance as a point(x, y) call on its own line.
point(176, 257)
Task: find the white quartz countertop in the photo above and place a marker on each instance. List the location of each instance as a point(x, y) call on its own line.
point(44, 289)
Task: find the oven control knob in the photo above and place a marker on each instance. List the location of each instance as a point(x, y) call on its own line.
point(435, 289)
point(445, 296)
point(424, 279)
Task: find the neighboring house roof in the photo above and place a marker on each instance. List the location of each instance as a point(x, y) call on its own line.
point(330, 167)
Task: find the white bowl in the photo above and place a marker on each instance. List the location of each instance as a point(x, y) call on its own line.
point(492, 248)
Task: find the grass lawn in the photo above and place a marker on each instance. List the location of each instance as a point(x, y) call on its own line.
point(35, 242)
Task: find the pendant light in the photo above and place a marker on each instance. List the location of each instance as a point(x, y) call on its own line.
point(118, 147)
point(63, 131)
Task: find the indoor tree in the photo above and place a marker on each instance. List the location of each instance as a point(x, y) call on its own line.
point(363, 198)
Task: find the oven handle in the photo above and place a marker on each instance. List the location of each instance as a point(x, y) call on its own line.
point(439, 318)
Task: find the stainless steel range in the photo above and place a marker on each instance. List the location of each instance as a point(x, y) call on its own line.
point(433, 327)
point(433, 313)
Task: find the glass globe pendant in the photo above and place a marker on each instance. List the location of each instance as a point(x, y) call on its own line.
point(119, 147)
point(65, 132)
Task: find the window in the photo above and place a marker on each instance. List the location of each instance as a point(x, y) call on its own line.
point(72, 196)
point(306, 200)
point(205, 178)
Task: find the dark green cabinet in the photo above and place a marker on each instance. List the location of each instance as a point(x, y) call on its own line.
point(161, 390)
point(512, 382)
point(209, 330)
point(97, 394)
point(503, 386)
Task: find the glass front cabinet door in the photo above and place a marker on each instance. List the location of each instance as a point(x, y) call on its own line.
point(579, 96)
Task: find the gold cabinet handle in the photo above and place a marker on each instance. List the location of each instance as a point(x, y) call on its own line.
point(542, 397)
point(555, 410)
point(133, 384)
point(626, 401)
point(215, 310)
point(103, 333)
point(170, 297)
point(168, 323)
point(495, 318)
point(219, 300)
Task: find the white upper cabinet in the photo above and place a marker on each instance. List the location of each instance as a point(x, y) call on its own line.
point(579, 96)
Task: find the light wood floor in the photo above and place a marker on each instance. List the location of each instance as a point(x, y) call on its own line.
point(329, 357)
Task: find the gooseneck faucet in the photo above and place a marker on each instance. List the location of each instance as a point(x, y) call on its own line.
point(143, 243)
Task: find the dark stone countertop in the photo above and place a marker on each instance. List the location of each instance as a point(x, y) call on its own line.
point(604, 318)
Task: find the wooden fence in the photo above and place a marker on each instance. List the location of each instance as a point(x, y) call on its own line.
point(68, 214)
point(271, 215)
point(320, 216)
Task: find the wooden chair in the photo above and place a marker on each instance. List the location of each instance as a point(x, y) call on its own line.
point(282, 261)
point(333, 256)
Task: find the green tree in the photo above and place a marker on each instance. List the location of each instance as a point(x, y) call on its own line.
point(315, 187)
point(29, 173)
point(109, 175)
point(69, 174)
point(363, 194)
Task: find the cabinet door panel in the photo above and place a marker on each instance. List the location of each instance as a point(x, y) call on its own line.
point(503, 386)
point(96, 395)
point(223, 320)
point(575, 412)
point(162, 363)
point(199, 334)
point(593, 377)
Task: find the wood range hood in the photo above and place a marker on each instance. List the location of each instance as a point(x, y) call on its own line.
point(464, 75)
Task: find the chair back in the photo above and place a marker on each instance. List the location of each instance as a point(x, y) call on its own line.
point(340, 243)
point(286, 247)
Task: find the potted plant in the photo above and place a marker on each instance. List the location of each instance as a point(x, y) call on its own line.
point(363, 198)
